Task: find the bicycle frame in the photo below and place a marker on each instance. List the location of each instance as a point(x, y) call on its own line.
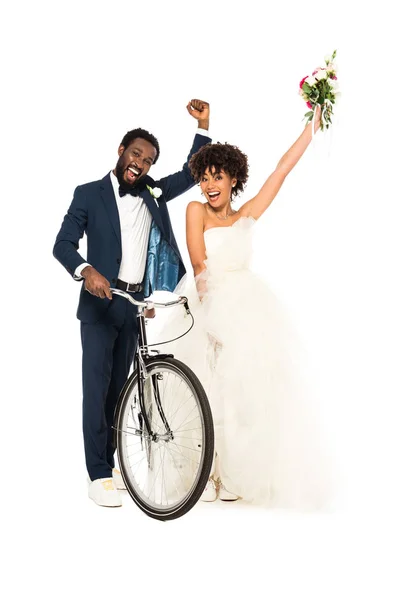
point(141, 358)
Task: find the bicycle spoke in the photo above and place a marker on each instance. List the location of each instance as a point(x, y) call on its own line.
point(185, 422)
point(176, 469)
point(177, 451)
point(186, 447)
point(168, 450)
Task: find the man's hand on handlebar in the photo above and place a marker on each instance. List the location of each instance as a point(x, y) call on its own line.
point(96, 284)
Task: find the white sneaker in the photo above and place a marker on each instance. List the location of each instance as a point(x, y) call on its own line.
point(104, 492)
point(210, 492)
point(117, 478)
point(225, 495)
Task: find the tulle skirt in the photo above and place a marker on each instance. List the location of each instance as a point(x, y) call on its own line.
point(268, 435)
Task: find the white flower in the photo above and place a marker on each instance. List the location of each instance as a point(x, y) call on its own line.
point(320, 74)
point(332, 73)
point(155, 192)
point(334, 84)
point(311, 80)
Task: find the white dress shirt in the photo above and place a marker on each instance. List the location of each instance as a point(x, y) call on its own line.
point(135, 221)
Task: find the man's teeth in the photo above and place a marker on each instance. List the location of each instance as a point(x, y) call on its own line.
point(133, 171)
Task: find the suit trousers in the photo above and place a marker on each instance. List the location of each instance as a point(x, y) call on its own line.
point(108, 348)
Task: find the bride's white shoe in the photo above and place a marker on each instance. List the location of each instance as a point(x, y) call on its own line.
point(210, 491)
point(226, 495)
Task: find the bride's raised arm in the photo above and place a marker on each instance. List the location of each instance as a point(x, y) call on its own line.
point(259, 204)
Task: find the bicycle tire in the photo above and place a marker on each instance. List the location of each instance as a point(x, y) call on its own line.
point(159, 366)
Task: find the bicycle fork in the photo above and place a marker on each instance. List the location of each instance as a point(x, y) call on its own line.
point(141, 356)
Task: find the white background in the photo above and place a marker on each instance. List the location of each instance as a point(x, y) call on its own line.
point(75, 78)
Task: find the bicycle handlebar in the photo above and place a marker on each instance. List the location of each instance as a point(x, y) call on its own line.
point(149, 303)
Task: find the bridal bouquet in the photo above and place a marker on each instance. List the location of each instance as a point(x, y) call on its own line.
point(321, 88)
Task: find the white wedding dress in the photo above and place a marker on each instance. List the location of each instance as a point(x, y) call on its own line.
point(243, 350)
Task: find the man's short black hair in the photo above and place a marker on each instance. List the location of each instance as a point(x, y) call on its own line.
point(144, 135)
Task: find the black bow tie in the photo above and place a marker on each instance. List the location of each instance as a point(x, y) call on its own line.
point(122, 191)
point(136, 190)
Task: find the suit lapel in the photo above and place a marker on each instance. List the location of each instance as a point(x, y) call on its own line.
point(108, 197)
point(153, 208)
point(150, 202)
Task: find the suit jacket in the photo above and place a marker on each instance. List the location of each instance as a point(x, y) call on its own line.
point(94, 211)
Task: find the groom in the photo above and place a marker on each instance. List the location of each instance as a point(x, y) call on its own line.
point(130, 246)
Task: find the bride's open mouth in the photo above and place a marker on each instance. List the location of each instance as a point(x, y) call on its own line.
point(213, 196)
point(133, 173)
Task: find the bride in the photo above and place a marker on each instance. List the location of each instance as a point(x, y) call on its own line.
point(242, 347)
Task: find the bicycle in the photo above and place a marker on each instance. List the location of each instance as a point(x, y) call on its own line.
point(163, 427)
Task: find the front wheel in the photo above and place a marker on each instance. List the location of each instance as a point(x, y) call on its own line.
point(165, 463)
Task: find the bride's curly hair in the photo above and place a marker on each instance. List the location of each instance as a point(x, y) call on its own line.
point(221, 157)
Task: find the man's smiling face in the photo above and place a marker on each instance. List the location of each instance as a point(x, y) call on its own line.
point(134, 161)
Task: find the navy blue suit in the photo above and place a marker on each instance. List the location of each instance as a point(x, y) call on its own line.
point(108, 327)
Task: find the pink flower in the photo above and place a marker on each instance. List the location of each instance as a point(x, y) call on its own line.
point(302, 81)
point(309, 104)
point(319, 69)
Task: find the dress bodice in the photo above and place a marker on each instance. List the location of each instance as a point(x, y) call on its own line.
point(229, 248)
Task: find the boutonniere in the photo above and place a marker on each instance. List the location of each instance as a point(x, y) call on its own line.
point(155, 192)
